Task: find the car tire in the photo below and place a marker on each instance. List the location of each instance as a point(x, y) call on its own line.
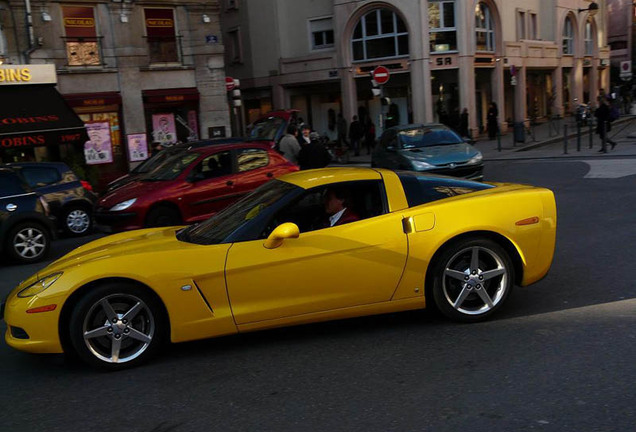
point(117, 326)
point(28, 242)
point(77, 221)
point(471, 279)
point(163, 216)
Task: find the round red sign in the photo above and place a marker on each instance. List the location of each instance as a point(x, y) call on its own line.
point(381, 75)
point(229, 83)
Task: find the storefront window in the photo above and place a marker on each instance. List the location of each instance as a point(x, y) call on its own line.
point(161, 36)
point(380, 34)
point(82, 42)
point(589, 39)
point(484, 28)
point(441, 23)
point(568, 37)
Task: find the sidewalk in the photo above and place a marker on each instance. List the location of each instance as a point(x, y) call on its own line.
point(549, 144)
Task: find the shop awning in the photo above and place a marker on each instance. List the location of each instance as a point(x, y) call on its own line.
point(37, 115)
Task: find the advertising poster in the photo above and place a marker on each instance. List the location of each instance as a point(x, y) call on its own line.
point(164, 130)
point(137, 147)
point(99, 149)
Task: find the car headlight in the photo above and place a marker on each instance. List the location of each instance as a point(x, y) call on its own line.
point(39, 286)
point(123, 205)
point(419, 165)
point(476, 159)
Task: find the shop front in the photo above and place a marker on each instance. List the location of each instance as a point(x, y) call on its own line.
point(35, 120)
point(172, 115)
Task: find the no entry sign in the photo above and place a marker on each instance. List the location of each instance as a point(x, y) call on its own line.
point(381, 75)
point(229, 83)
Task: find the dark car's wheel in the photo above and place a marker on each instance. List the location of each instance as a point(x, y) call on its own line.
point(28, 242)
point(472, 279)
point(116, 326)
point(77, 221)
point(163, 216)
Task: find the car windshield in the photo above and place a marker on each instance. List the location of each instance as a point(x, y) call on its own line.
point(153, 162)
point(428, 137)
point(220, 226)
point(265, 129)
point(172, 167)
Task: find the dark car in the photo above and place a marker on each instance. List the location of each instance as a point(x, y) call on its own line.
point(431, 148)
point(70, 199)
point(26, 229)
point(190, 186)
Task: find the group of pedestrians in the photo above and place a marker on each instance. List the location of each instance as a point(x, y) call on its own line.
point(304, 149)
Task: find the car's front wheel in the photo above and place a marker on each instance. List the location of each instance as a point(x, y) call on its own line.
point(472, 279)
point(28, 242)
point(117, 325)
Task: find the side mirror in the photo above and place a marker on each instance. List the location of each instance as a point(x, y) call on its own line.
point(284, 231)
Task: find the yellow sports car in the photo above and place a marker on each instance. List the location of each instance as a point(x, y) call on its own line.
point(311, 246)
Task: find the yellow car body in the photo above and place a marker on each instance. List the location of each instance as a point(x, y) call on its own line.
point(375, 265)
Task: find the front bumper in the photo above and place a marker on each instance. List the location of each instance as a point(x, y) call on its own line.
point(469, 172)
point(117, 221)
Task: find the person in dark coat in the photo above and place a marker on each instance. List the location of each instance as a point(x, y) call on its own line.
point(603, 125)
point(369, 134)
point(492, 122)
point(314, 154)
point(356, 132)
point(463, 123)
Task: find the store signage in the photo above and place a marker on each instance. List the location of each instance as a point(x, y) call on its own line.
point(444, 62)
point(27, 74)
point(79, 21)
point(159, 22)
point(137, 147)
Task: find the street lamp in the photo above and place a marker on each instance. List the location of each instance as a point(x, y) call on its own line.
point(592, 9)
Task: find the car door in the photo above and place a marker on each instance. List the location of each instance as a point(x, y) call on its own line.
point(354, 264)
point(210, 187)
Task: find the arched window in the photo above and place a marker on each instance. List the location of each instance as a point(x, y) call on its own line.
point(589, 38)
point(484, 28)
point(3, 45)
point(380, 34)
point(568, 36)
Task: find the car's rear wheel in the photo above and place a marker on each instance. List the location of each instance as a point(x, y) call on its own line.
point(77, 221)
point(472, 279)
point(28, 242)
point(117, 325)
point(163, 216)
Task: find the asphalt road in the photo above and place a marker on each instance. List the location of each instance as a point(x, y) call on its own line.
point(560, 357)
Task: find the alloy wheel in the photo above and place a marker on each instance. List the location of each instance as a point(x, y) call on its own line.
point(29, 243)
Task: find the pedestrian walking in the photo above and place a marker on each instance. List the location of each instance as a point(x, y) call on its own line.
point(289, 146)
point(341, 127)
point(314, 154)
point(369, 134)
point(492, 122)
point(303, 137)
point(463, 123)
point(604, 124)
point(356, 132)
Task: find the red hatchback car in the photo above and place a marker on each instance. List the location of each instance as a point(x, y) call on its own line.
point(190, 186)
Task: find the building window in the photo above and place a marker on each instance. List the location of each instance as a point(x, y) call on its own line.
point(380, 34)
point(521, 25)
point(161, 36)
point(235, 48)
point(568, 37)
point(484, 29)
point(441, 24)
point(82, 43)
point(589, 39)
point(321, 31)
point(3, 46)
point(534, 31)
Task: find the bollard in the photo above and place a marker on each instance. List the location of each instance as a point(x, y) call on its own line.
point(578, 136)
point(499, 140)
point(591, 135)
point(565, 139)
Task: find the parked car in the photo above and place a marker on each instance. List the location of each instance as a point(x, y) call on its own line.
point(431, 148)
point(270, 128)
point(70, 199)
point(26, 228)
point(190, 186)
point(159, 157)
point(418, 241)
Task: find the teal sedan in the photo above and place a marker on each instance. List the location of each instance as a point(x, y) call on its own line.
point(432, 148)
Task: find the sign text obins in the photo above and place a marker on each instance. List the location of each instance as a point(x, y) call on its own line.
point(15, 75)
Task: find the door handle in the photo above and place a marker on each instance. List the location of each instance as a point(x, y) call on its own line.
point(270, 174)
point(229, 183)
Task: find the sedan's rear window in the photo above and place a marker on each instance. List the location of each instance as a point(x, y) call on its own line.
point(421, 189)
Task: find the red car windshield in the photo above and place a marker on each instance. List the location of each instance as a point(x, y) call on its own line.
point(172, 167)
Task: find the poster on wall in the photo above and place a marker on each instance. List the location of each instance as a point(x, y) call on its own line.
point(99, 149)
point(164, 130)
point(137, 147)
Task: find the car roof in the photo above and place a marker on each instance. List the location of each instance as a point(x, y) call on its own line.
point(318, 177)
point(229, 146)
point(58, 165)
point(418, 125)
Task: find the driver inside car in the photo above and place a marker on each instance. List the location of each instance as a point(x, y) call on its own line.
point(338, 209)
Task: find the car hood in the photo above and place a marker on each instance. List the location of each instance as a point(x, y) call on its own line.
point(133, 189)
point(121, 181)
point(442, 154)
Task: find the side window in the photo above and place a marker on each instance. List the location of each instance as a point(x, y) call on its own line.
point(389, 139)
point(216, 165)
point(312, 210)
point(249, 159)
point(38, 177)
point(422, 189)
point(10, 184)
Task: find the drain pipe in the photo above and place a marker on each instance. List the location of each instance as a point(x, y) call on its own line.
point(29, 26)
